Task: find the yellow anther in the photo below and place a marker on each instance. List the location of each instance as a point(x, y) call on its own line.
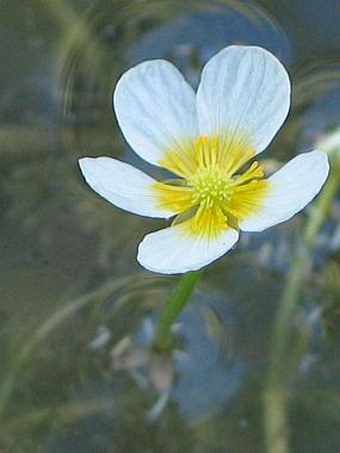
point(211, 196)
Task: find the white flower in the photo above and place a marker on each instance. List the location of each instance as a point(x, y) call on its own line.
point(205, 140)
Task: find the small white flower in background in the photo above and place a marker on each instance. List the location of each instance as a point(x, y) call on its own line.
point(205, 140)
point(330, 143)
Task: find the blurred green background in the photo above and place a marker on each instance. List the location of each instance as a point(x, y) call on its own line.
point(76, 310)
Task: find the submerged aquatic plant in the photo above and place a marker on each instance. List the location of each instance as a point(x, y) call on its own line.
point(206, 141)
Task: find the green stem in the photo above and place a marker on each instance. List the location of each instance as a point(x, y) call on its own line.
point(174, 306)
point(275, 397)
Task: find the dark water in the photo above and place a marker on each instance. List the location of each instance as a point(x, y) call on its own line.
point(76, 310)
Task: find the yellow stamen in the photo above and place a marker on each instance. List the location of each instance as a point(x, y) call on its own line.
point(208, 222)
point(177, 198)
point(211, 197)
point(181, 162)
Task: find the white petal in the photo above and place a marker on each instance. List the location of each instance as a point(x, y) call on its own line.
point(156, 109)
point(122, 185)
point(291, 189)
point(243, 91)
point(173, 251)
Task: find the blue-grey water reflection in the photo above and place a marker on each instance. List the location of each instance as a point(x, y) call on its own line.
point(77, 312)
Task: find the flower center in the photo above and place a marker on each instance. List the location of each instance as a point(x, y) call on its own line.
point(211, 195)
point(210, 187)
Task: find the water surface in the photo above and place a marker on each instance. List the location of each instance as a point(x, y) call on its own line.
point(76, 310)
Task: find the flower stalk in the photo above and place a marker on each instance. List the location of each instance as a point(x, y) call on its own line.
point(275, 396)
point(163, 338)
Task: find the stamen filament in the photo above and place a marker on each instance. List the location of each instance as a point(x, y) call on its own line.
point(211, 198)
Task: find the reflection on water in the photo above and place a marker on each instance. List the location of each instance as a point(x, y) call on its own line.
point(77, 371)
